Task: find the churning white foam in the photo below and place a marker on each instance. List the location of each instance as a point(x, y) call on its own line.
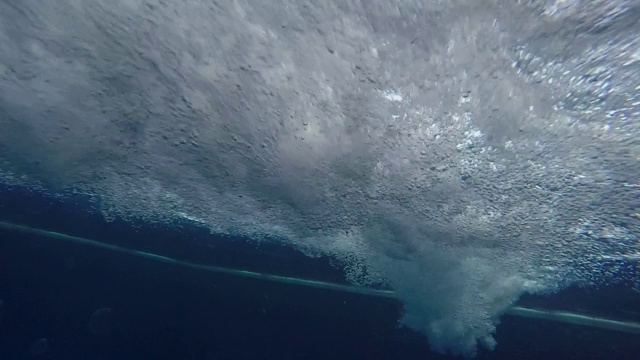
point(455, 149)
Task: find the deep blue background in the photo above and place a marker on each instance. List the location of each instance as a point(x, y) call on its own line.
point(50, 289)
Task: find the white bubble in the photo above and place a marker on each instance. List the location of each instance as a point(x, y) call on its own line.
point(101, 322)
point(39, 347)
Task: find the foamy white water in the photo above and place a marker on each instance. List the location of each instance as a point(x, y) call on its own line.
point(466, 151)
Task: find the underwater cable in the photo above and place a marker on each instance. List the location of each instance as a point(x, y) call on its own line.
point(577, 319)
point(550, 315)
point(210, 268)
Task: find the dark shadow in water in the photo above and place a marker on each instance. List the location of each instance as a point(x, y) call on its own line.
point(68, 301)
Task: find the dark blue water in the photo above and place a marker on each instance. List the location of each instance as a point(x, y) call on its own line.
point(62, 300)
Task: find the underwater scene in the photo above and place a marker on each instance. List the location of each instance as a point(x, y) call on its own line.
point(340, 179)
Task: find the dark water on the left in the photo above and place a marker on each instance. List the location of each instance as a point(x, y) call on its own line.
point(61, 300)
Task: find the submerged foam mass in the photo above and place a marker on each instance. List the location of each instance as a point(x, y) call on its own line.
point(467, 152)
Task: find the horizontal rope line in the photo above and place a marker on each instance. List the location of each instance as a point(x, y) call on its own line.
point(550, 315)
point(210, 268)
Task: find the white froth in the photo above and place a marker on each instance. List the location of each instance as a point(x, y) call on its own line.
point(392, 96)
point(466, 166)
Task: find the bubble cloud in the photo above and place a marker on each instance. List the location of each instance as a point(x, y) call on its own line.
point(466, 152)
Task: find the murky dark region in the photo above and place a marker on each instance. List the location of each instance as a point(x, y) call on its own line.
point(63, 300)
